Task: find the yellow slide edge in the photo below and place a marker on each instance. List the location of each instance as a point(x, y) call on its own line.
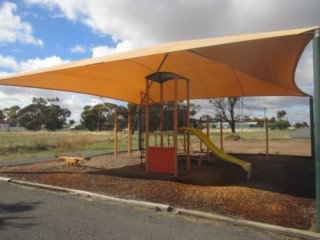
point(216, 151)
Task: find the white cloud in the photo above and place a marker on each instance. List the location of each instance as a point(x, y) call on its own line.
point(146, 22)
point(12, 29)
point(3, 74)
point(8, 62)
point(37, 63)
point(105, 50)
point(72, 9)
point(78, 49)
point(29, 65)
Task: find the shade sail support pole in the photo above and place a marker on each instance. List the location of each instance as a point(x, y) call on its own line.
point(161, 115)
point(316, 106)
point(175, 127)
point(311, 126)
point(147, 125)
point(188, 124)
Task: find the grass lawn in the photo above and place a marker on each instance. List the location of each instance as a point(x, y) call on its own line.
point(29, 144)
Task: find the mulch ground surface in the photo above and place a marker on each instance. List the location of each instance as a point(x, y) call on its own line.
point(281, 191)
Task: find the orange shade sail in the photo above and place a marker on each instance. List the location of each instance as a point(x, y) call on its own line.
point(247, 65)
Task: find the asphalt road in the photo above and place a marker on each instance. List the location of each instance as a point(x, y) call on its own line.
point(31, 213)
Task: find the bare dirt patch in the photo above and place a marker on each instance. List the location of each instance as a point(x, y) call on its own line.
point(281, 190)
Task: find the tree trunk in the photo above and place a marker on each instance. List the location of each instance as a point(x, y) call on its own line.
point(233, 127)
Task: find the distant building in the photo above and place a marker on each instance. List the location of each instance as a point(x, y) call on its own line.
point(245, 125)
point(4, 124)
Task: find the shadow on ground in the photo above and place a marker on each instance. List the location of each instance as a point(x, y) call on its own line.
point(9, 213)
point(290, 175)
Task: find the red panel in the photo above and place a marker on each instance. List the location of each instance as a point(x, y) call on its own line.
point(161, 159)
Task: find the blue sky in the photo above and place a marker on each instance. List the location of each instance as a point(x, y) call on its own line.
point(42, 33)
point(70, 40)
point(67, 39)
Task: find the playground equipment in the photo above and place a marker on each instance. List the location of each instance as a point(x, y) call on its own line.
point(164, 159)
point(161, 156)
point(164, 79)
point(129, 132)
point(216, 151)
point(72, 161)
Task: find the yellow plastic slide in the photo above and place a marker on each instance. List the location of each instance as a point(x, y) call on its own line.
point(216, 151)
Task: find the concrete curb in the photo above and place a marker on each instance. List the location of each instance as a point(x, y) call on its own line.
point(149, 205)
point(5, 179)
point(290, 232)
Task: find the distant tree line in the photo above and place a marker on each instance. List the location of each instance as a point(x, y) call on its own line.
point(101, 116)
point(48, 114)
point(41, 113)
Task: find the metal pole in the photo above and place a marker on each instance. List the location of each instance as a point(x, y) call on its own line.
point(140, 128)
point(221, 134)
point(161, 114)
point(129, 135)
point(115, 134)
point(175, 127)
point(266, 123)
point(188, 125)
point(311, 126)
point(200, 126)
point(241, 121)
point(146, 144)
point(208, 135)
point(316, 106)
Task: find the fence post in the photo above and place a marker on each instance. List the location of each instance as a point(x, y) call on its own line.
point(129, 135)
point(115, 134)
point(200, 126)
point(221, 134)
point(266, 124)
